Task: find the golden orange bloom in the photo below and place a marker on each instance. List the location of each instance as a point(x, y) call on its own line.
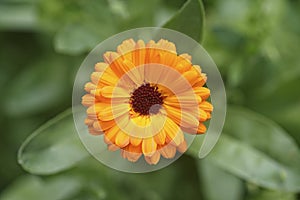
point(143, 97)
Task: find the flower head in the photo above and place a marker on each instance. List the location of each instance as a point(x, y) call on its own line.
point(143, 97)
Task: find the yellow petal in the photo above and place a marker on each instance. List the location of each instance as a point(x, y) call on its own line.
point(114, 92)
point(108, 77)
point(173, 132)
point(149, 146)
point(110, 112)
point(202, 115)
point(122, 139)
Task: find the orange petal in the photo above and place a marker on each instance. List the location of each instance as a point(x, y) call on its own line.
point(191, 77)
point(89, 86)
point(205, 105)
point(92, 112)
point(183, 64)
point(160, 138)
point(104, 125)
point(95, 77)
point(208, 115)
point(112, 147)
point(182, 147)
point(136, 75)
point(132, 153)
point(126, 47)
point(184, 101)
point(203, 92)
point(186, 56)
point(153, 159)
point(201, 81)
point(88, 100)
point(135, 141)
point(201, 128)
point(110, 134)
point(101, 67)
point(184, 119)
point(93, 131)
point(139, 54)
point(110, 56)
point(168, 151)
point(88, 122)
point(166, 45)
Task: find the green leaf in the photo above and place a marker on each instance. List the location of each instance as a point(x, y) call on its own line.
point(17, 17)
point(218, 184)
point(280, 102)
point(261, 153)
point(254, 166)
point(156, 185)
point(263, 134)
point(189, 20)
point(255, 193)
point(44, 84)
point(36, 188)
point(52, 148)
point(75, 39)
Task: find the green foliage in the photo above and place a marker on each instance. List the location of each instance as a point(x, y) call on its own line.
point(217, 183)
point(53, 147)
point(255, 45)
point(183, 17)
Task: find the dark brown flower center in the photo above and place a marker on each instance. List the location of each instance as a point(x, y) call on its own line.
point(146, 100)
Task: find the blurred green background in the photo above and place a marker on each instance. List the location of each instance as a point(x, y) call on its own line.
point(255, 44)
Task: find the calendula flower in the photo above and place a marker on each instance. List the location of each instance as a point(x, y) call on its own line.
point(143, 97)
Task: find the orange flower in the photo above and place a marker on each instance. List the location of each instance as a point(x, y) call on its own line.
point(142, 98)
